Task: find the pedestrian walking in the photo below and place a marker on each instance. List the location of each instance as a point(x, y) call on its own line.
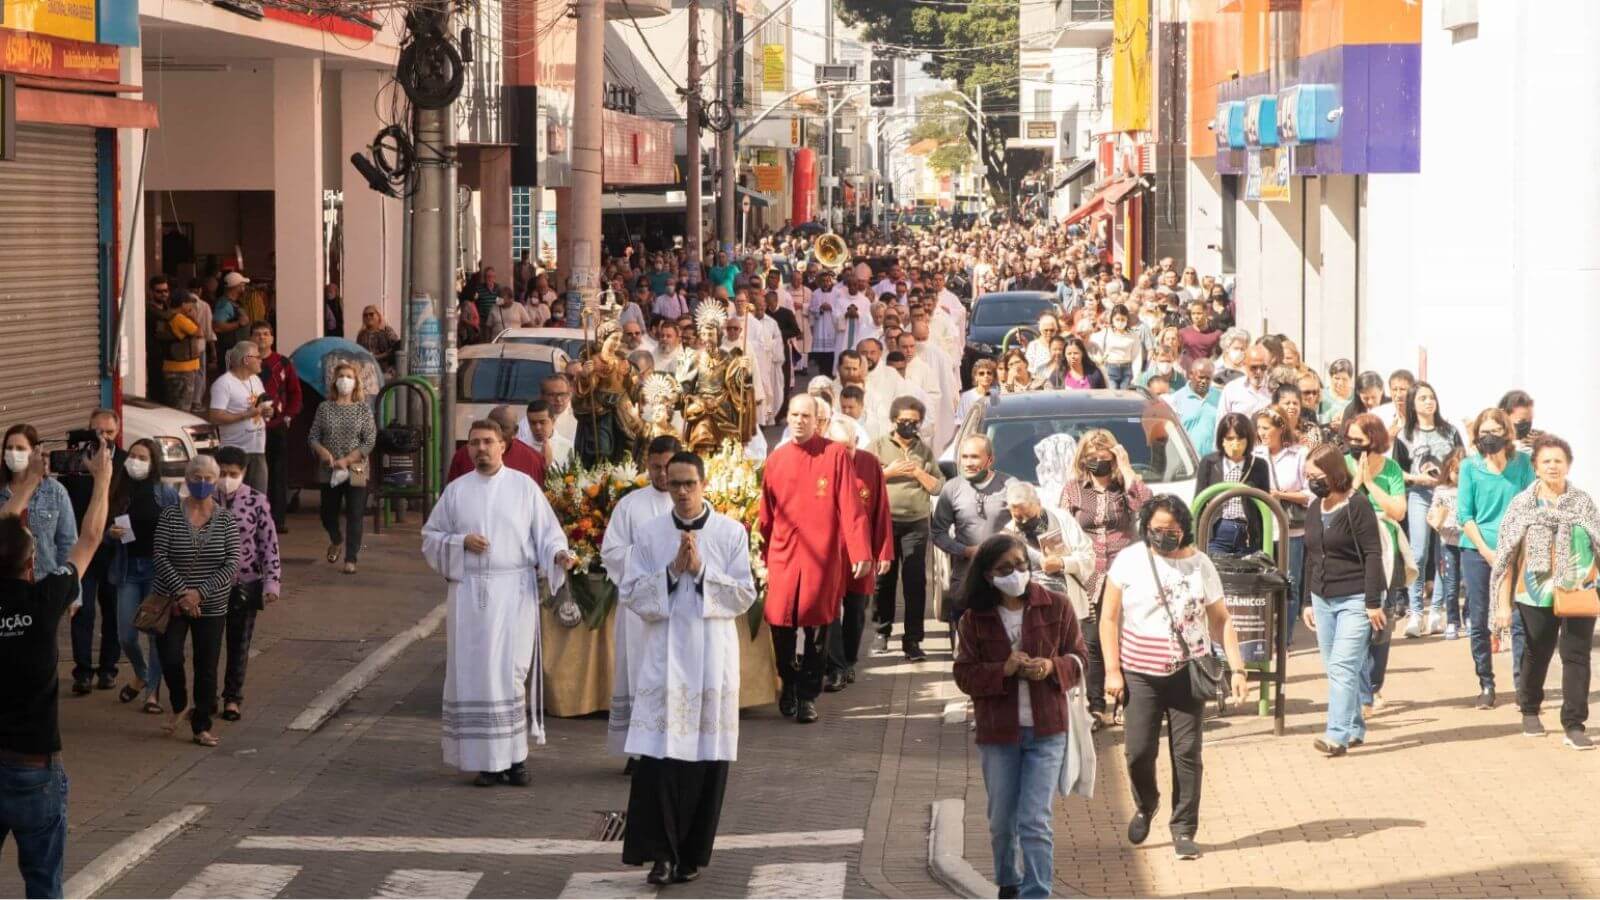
point(99, 598)
point(1239, 529)
point(281, 384)
point(137, 498)
point(1424, 440)
point(1286, 462)
point(259, 580)
point(342, 436)
point(1060, 555)
point(1382, 481)
point(1489, 480)
point(913, 477)
point(970, 510)
point(871, 493)
point(240, 409)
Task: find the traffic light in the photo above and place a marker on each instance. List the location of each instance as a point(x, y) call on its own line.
point(882, 82)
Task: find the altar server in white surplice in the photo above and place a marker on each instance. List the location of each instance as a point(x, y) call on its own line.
point(492, 535)
point(622, 532)
point(689, 579)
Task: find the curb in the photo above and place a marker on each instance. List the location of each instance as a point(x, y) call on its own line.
point(128, 852)
point(946, 840)
point(331, 700)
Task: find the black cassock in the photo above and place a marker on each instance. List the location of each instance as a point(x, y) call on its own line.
point(673, 808)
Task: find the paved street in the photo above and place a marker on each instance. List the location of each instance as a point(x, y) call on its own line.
point(1445, 801)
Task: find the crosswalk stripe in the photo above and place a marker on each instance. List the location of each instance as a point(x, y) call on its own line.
point(622, 885)
point(530, 846)
point(446, 885)
point(229, 880)
point(823, 880)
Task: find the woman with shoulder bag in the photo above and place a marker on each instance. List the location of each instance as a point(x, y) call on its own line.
point(1286, 464)
point(1162, 610)
point(137, 492)
point(342, 436)
point(1546, 563)
point(1344, 575)
point(1019, 651)
point(1382, 481)
point(1427, 439)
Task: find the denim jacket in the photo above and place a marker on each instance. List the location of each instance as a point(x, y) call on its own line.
point(50, 520)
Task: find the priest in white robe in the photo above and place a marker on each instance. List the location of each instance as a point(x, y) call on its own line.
point(492, 535)
point(884, 384)
point(689, 579)
point(767, 350)
point(627, 521)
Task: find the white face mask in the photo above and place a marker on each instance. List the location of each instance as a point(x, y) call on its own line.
point(1235, 357)
point(137, 469)
point(229, 485)
point(346, 385)
point(1013, 585)
point(17, 460)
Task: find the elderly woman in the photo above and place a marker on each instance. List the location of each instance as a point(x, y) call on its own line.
point(379, 340)
point(196, 559)
point(1059, 553)
point(342, 436)
point(1231, 349)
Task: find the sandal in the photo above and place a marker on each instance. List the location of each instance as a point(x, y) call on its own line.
point(349, 568)
point(127, 693)
point(334, 551)
point(153, 708)
point(206, 739)
point(172, 724)
point(230, 712)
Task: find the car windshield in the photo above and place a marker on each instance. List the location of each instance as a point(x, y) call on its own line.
point(571, 346)
point(1157, 447)
point(1017, 311)
point(501, 380)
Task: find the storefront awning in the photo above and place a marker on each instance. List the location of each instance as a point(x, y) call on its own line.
point(756, 197)
point(1076, 171)
point(647, 201)
point(63, 108)
point(1109, 195)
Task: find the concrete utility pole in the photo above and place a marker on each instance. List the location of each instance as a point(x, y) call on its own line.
point(588, 95)
point(727, 201)
point(693, 227)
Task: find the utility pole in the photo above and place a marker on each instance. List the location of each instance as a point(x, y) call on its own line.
point(983, 162)
point(587, 159)
point(726, 232)
point(693, 228)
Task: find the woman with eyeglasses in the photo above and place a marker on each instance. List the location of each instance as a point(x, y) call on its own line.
point(379, 340)
point(1163, 606)
point(1020, 649)
point(1426, 440)
point(1383, 482)
point(1488, 482)
point(1238, 530)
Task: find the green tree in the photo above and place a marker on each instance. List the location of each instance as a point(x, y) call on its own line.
point(950, 158)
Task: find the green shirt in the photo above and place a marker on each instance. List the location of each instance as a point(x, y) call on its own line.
point(1484, 495)
point(725, 276)
point(1392, 481)
point(908, 500)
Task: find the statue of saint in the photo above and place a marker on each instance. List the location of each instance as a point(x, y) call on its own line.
point(608, 424)
point(719, 398)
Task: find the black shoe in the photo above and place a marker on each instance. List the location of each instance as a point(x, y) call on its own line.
point(80, 686)
point(1485, 699)
point(914, 651)
point(627, 767)
point(487, 779)
point(833, 683)
point(807, 712)
point(105, 683)
point(786, 703)
point(850, 675)
point(1356, 742)
point(1329, 750)
point(1139, 828)
point(518, 775)
point(685, 874)
point(660, 873)
point(1184, 847)
point(1007, 891)
point(281, 527)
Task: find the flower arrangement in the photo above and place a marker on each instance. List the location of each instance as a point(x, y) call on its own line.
point(583, 500)
point(733, 488)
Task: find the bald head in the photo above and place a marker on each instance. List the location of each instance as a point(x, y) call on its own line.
point(507, 419)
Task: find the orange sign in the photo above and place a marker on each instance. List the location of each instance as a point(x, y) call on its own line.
point(36, 54)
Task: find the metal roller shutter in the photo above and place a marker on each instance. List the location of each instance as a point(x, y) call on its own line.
point(50, 280)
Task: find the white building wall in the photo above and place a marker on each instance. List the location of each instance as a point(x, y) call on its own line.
point(216, 129)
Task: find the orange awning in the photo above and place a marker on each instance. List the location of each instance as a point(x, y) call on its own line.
point(1113, 193)
point(62, 108)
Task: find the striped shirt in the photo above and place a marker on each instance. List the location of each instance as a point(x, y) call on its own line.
point(1187, 587)
point(206, 559)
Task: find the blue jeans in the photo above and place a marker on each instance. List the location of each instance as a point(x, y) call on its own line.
point(1423, 544)
point(33, 809)
point(1119, 375)
point(1377, 664)
point(1475, 571)
point(1021, 781)
point(145, 660)
point(1297, 557)
point(1344, 635)
point(1447, 583)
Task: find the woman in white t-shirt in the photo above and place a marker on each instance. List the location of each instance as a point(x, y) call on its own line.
point(1156, 591)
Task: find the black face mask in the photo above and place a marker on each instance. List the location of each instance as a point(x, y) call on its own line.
point(907, 430)
point(1029, 526)
point(1100, 468)
point(1524, 429)
point(1490, 444)
point(1318, 487)
point(1165, 541)
point(1357, 453)
point(979, 477)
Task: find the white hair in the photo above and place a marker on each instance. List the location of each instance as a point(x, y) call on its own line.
point(1021, 492)
point(202, 464)
point(239, 351)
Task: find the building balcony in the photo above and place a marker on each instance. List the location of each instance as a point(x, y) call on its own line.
point(1084, 23)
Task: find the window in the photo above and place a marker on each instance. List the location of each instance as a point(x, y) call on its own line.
point(521, 222)
point(1043, 103)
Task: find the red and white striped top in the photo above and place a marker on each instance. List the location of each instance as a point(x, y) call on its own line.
point(1190, 585)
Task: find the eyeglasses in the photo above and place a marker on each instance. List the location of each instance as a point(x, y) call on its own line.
point(1311, 395)
point(916, 423)
point(1258, 368)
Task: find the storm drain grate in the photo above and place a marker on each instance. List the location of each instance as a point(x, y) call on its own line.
point(609, 826)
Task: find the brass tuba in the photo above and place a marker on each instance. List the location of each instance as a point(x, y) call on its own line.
point(830, 251)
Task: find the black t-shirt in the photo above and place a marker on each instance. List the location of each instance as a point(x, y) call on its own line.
point(29, 614)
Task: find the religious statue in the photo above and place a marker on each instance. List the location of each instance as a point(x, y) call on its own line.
point(658, 400)
point(608, 424)
point(719, 399)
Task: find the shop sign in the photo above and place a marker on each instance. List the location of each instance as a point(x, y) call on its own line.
point(37, 54)
point(774, 68)
point(1267, 176)
point(1041, 130)
point(71, 19)
point(769, 179)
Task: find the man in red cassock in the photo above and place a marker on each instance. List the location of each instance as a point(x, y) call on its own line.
point(870, 491)
point(519, 456)
point(810, 525)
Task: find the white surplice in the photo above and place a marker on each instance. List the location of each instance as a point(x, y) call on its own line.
point(622, 532)
point(767, 350)
point(493, 613)
point(884, 385)
point(686, 702)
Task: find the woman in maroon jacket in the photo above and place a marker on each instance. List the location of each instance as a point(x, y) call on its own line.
point(1015, 658)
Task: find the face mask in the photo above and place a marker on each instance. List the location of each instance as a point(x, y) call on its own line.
point(1164, 368)
point(1358, 453)
point(1100, 468)
point(229, 485)
point(1235, 357)
point(1032, 525)
point(17, 460)
point(907, 430)
point(1318, 487)
point(1013, 585)
point(137, 469)
point(1488, 445)
point(200, 490)
point(1164, 542)
point(979, 477)
point(1524, 429)
point(346, 385)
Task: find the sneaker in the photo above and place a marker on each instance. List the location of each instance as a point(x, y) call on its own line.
point(914, 652)
point(1377, 701)
point(1415, 626)
point(1485, 699)
point(1329, 750)
point(880, 644)
point(1577, 739)
point(1139, 828)
point(1184, 847)
point(1436, 622)
point(1451, 632)
point(1532, 727)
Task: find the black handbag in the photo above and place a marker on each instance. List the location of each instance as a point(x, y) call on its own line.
point(1205, 672)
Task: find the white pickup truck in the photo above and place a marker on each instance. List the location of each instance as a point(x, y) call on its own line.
point(178, 435)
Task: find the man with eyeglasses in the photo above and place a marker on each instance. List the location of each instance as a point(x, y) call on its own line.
point(1250, 394)
point(240, 408)
point(556, 390)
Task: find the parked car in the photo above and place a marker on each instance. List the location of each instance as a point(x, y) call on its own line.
point(490, 375)
point(179, 436)
point(570, 340)
point(996, 315)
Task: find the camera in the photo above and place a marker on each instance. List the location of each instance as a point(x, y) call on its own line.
point(82, 443)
